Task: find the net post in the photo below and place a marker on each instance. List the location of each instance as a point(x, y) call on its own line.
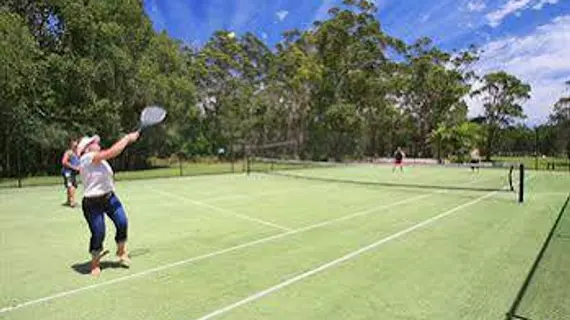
point(511, 170)
point(521, 183)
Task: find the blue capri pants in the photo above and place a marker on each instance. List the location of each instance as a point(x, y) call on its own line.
point(94, 210)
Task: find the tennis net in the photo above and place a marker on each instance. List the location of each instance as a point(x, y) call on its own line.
point(380, 172)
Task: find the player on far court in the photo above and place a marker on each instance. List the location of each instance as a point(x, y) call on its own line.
point(99, 197)
point(399, 156)
point(475, 159)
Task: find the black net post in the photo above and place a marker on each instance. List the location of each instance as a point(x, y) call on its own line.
point(521, 183)
point(511, 169)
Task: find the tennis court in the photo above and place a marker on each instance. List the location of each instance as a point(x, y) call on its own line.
point(276, 245)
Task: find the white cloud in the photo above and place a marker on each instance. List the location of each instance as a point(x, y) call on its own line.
point(512, 6)
point(476, 6)
point(264, 35)
point(538, 58)
point(515, 7)
point(282, 14)
point(542, 3)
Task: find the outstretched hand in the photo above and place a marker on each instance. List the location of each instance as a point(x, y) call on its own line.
point(133, 136)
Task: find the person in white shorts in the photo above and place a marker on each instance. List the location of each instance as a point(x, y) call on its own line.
point(475, 159)
point(99, 197)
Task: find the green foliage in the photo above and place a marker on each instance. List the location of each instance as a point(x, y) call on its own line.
point(455, 142)
point(433, 84)
point(502, 95)
point(343, 89)
point(560, 118)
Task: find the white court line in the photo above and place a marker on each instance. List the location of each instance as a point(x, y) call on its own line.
point(342, 259)
point(221, 210)
point(212, 254)
point(268, 193)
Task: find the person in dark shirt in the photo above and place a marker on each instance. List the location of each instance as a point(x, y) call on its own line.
point(399, 156)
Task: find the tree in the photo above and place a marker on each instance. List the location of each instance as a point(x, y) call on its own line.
point(351, 48)
point(433, 84)
point(342, 88)
point(502, 95)
point(455, 142)
point(21, 118)
point(295, 79)
point(560, 117)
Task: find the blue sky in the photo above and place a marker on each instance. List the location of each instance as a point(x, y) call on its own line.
point(529, 38)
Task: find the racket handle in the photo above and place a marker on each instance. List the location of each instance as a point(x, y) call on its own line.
point(139, 128)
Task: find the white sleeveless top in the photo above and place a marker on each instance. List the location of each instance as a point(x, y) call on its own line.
point(97, 178)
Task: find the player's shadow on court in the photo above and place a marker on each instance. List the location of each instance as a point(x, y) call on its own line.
point(85, 267)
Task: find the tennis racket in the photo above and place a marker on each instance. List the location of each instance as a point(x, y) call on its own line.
point(151, 116)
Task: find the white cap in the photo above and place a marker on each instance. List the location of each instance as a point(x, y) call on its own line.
point(85, 141)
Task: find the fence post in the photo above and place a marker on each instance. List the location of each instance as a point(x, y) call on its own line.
point(521, 182)
point(536, 149)
point(19, 165)
point(232, 157)
point(180, 164)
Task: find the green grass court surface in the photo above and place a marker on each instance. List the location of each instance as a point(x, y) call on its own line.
point(263, 246)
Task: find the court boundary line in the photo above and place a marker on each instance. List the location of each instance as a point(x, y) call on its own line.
point(323, 267)
point(220, 252)
point(214, 253)
point(513, 310)
point(222, 210)
point(263, 194)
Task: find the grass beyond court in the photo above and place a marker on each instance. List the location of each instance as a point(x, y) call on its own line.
point(540, 163)
point(166, 171)
point(271, 247)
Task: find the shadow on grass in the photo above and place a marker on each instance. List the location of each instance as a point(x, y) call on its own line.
point(65, 204)
point(85, 267)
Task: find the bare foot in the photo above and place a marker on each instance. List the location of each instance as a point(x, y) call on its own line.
point(124, 259)
point(123, 254)
point(95, 271)
point(95, 263)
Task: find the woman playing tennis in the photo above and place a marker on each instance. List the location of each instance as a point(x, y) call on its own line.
point(99, 197)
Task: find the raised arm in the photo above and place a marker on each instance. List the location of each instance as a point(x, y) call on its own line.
point(117, 147)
